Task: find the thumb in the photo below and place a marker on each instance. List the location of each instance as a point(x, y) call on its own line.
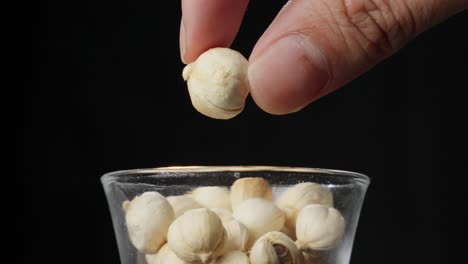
point(314, 47)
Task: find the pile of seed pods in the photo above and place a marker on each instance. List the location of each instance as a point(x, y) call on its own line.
point(243, 224)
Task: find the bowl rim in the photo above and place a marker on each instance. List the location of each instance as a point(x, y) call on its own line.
point(115, 175)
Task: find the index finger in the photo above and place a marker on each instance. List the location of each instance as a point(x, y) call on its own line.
point(207, 24)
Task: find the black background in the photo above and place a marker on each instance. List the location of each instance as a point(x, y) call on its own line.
point(90, 97)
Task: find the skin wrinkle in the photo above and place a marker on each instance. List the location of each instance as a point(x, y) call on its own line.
point(411, 30)
point(330, 26)
point(372, 48)
point(339, 27)
point(374, 28)
point(355, 51)
point(376, 14)
point(342, 24)
point(402, 29)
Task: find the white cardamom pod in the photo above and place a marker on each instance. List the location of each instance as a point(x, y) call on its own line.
point(233, 257)
point(259, 216)
point(182, 203)
point(237, 236)
point(217, 83)
point(300, 195)
point(275, 248)
point(212, 197)
point(148, 217)
point(152, 258)
point(224, 214)
point(319, 227)
point(197, 236)
point(164, 255)
point(246, 188)
point(311, 259)
point(125, 206)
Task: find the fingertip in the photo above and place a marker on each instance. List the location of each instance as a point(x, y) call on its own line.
point(287, 76)
point(182, 43)
point(207, 24)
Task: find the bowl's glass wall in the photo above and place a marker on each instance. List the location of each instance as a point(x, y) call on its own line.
point(348, 189)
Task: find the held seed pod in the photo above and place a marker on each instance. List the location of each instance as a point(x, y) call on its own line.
point(217, 83)
point(300, 195)
point(212, 197)
point(259, 216)
point(197, 236)
point(233, 257)
point(246, 188)
point(319, 228)
point(275, 248)
point(182, 203)
point(148, 217)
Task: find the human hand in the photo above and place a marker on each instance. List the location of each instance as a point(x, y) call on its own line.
point(313, 47)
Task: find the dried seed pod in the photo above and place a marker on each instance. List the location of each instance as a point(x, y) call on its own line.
point(182, 203)
point(297, 197)
point(275, 248)
point(125, 206)
point(319, 227)
point(224, 214)
point(259, 216)
point(152, 258)
point(197, 236)
point(312, 259)
point(212, 197)
point(233, 257)
point(148, 217)
point(217, 83)
point(237, 236)
point(164, 255)
point(246, 188)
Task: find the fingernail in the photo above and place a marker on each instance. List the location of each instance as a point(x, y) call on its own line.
point(182, 44)
point(288, 75)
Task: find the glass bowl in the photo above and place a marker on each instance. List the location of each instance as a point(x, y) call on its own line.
point(348, 189)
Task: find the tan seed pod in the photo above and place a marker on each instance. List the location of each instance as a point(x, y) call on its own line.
point(237, 236)
point(224, 214)
point(212, 197)
point(246, 188)
point(217, 83)
point(182, 203)
point(297, 197)
point(197, 236)
point(275, 248)
point(260, 216)
point(164, 255)
point(319, 228)
point(151, 258)
point(310, 259)
point(125, 206)
point(233, 257)
point(148, 217)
